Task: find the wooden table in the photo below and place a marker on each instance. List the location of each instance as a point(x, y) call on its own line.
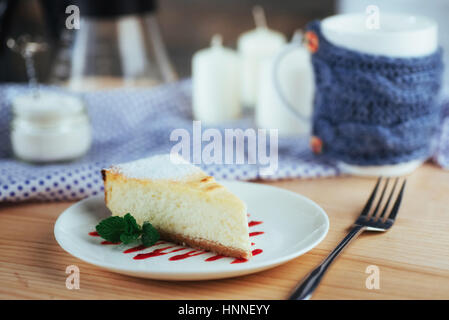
point(413, 257)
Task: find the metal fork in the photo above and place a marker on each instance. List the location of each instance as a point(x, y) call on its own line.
point(377, 220)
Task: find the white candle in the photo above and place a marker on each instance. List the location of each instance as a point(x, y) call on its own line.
point(398, 35)
point(215, 80)
point(293, 69)
point(49, 127)
point(254, 46)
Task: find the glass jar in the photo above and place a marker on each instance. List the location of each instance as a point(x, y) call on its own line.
point(118, 44)
point(49, 127)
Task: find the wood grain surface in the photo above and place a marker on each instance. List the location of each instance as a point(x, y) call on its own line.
point(413, 257)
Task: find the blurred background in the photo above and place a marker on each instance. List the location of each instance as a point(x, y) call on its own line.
point(186, 26)
point(228, 52)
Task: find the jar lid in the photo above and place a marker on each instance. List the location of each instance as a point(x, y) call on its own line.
point(47, 106)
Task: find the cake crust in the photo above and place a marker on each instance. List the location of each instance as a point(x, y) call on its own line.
point(203, 244)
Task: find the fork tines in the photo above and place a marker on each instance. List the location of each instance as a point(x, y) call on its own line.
point(380, 213)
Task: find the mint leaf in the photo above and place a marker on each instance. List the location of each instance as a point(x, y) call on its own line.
point(132, 230)
point(131, 225)
point(128, 238)
point(126, 230)
point(149, 234)
point(111, 228)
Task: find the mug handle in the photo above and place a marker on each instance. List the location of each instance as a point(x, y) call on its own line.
point(295, 44)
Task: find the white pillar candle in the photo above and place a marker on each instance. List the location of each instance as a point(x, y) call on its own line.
point(397, 35)
point(254, 46)
point(215, 81)
point(293, 69)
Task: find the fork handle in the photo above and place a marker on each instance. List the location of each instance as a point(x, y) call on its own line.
point(308, 285)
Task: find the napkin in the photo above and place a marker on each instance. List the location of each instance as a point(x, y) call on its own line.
point(129, 124)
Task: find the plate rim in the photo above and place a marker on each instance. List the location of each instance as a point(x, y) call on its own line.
point(208, 274)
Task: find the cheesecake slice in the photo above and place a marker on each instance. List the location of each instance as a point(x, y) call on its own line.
point(181, 201)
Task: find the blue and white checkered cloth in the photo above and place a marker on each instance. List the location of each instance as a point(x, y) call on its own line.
point(129, 124)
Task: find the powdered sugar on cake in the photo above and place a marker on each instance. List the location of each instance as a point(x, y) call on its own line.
point(164, 166)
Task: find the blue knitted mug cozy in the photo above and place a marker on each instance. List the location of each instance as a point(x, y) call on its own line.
point(372, 109)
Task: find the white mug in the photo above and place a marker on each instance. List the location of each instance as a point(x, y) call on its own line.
point(396, 35)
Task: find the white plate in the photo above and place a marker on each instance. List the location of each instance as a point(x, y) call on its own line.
point(292, 225)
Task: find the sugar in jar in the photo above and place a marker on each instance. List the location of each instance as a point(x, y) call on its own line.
point(49, 127)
